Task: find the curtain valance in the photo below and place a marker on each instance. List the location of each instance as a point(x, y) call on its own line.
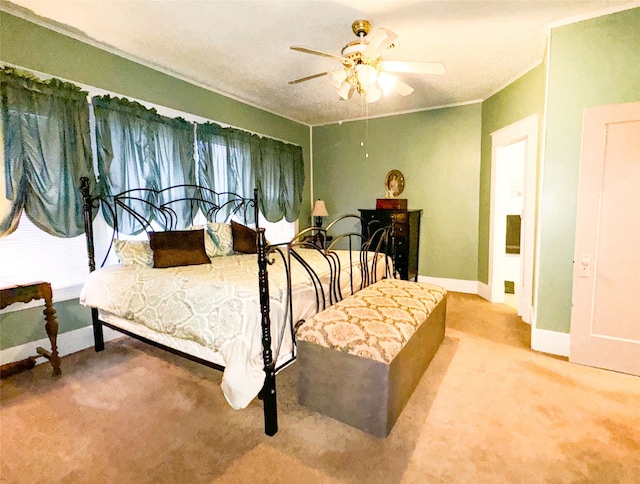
point(45, 132)
point(44, 128)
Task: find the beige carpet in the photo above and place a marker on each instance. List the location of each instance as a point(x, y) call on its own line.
point(488, 409)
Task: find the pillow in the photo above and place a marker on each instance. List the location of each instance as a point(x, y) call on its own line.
point(244, 238)
point(176, 248)
point(131, 252)
point(218, 240)
point(222, 237)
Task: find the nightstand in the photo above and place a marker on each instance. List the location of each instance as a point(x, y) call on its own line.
point(319, 240)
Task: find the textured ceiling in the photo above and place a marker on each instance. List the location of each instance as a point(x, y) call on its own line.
point(241, 48)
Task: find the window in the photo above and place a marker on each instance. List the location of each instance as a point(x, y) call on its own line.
point(30, 254)
point(278, 232)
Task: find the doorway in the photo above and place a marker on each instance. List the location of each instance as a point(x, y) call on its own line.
point(512, 221)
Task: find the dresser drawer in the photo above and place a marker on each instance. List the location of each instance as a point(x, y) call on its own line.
point(401, 230)
point(402, 218)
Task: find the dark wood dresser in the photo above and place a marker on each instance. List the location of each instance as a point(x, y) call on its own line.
point(407, 236)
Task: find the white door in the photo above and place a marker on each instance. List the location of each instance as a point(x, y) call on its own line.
point(605, 317)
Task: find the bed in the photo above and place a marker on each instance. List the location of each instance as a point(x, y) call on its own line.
point(233, 311)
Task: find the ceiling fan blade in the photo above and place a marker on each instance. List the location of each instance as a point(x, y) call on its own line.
point(307, 50)
point(308, 78)
point(402, 88)
point(382, 39)
point(435, 68)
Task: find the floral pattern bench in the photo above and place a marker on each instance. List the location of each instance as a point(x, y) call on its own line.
point(360, 359)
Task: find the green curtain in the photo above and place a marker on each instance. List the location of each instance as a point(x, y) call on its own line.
point(138, 148)
point(45, 132)
point(226, 164)
point(237, 161)
point(280, 175)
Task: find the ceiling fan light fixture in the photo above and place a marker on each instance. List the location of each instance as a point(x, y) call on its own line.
point(367, 75)
point(364, 71)
point(345, 89)
point(339, 77)
point(372, 94)
point(386, 82)
point(353, 50)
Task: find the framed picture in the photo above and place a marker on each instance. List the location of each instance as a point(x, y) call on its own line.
point(394, 183)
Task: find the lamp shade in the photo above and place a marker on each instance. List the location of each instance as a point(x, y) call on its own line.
point(339, 77)
point(386, 82)
point(319, 209)
point(345, 89)
point(372, 94)
point(367, 75)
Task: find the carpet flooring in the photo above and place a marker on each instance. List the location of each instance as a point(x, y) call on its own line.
point(488, 409)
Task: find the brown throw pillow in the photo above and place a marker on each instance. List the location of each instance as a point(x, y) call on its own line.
point(244, 238)
point(178, 248)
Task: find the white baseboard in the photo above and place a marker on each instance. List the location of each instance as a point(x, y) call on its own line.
point(552, 342)
point(455, 285)
point(543, 340)
point(484, 291)
point(69, 342)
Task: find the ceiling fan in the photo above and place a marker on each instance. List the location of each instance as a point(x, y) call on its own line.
point(363, 69)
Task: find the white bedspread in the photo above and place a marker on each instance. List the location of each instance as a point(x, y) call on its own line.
point(215, 305)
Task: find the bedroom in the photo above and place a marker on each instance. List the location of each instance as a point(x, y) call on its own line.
point(455, 247)
point(466, 237)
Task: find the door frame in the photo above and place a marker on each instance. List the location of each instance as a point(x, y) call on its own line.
point(525, 129)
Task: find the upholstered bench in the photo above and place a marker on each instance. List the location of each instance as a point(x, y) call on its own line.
point(360, 359)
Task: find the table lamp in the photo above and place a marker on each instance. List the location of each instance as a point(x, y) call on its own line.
point(319, 211)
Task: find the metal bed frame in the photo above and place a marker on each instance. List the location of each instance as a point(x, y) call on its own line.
point(227, 205)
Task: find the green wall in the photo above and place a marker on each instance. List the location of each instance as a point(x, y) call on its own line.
point(437, 151)
point(517, 101)
point(591, 63)
point(20, 327)
point(30, 46)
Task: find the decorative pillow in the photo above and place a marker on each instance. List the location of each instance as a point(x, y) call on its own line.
point(222, 237)
point(131, 252)
point(244, 238)
point(218, 240)
point(178, 248)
